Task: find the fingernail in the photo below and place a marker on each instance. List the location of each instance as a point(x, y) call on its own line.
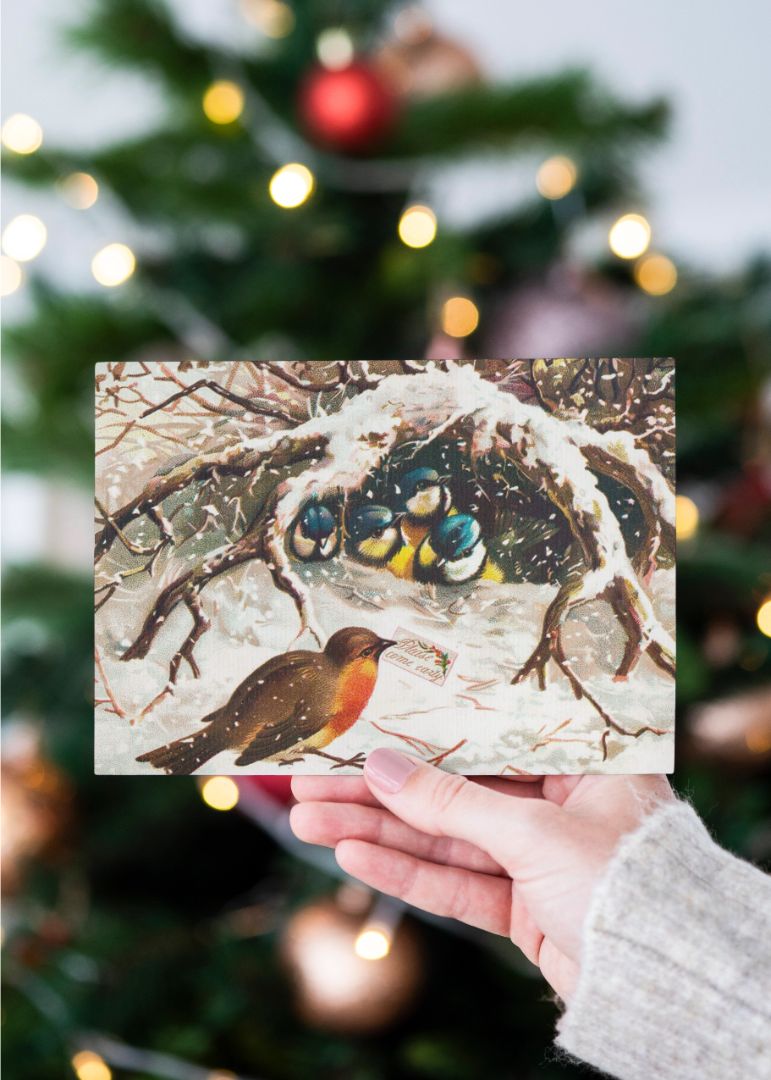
point(388, 770)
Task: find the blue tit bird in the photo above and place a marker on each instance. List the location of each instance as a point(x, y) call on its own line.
point(316, 535)
point(373, 534)
point(455, 552)
point(426, 499)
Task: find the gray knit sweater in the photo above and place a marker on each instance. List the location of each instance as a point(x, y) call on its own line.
point(676, 966)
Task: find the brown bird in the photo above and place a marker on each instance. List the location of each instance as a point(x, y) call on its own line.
point(298, 702)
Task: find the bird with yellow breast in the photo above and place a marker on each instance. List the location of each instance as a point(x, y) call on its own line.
point(425, 499)
point(455, 552)
point(316, 534)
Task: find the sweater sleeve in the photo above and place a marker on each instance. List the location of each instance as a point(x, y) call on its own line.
point(676, 960)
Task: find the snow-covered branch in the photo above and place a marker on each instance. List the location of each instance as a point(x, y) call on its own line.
point(344, 449)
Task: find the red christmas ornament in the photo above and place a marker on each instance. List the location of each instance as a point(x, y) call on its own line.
point(351, 109)
point(278, 788)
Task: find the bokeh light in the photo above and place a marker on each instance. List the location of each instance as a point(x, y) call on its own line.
point(113, 265)
point(223, 102)
point(686, 517)
point(656, 274)
point(373, 943)
point(88, 1065)
point(11, 275)
point(22, 134)
point(273, 18)
point(291, 185)
point(460, 316)
point(220, 792)
point(24, 237)
point(629, 236)
point(79, 190)
point(556, 177)
point(763, 617)
point(334, 48)
point(417, 226)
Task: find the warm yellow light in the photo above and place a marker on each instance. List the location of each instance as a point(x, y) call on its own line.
point(417, 226)
point(764, 617)
point(11, 275)
point(373, 943)
point(556, 177)
point(656, 274)
point(222, 1074)
point(291, 185)
point(220, 792)
point(90, 1066)
point(460, 316)
point(334, 48)
point(273, 17)
point(22, 134)
point(223, 102)
point(80, 190)
point(629, 236)
point(686, 517)
point(113, 265)
point(758, 740)
point(24, 237)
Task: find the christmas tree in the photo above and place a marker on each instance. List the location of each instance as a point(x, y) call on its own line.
point(283, 212)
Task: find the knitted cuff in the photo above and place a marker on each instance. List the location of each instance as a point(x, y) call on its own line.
point(676, 960)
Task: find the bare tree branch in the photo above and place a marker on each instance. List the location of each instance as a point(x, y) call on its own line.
point(343, 448)
point(259, 408)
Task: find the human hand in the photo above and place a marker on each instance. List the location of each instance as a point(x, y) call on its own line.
point(516, 858)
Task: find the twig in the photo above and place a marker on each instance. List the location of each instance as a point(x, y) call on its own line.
point(421, 745)
point(106, 684)
point(185, 652)
point(446, 753)
point(259, 408)
point(477, 703)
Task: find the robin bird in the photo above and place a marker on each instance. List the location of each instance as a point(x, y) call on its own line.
point(297, 702)
point(315, 535)
point(426, 499)
point(455, 552)
point(375, 538)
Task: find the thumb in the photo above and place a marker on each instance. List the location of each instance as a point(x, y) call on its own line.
point(445, 804)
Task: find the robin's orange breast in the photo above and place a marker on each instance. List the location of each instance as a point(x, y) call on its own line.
point(354, 689)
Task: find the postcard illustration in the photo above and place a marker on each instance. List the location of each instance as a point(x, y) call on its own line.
point(471, 561)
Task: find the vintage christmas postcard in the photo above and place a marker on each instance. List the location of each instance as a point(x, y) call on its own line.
point(471, 560)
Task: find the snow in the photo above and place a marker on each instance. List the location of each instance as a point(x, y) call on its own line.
point(492, 626)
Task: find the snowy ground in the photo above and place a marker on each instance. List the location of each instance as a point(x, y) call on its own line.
point(493, 627)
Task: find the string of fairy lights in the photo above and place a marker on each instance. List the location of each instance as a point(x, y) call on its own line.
point(293, 183)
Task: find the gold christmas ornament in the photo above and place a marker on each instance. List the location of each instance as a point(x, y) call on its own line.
point(420, 63)
point(342, 981)
point(35, 800)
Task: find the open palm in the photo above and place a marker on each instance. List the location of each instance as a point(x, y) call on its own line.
point(515, 858)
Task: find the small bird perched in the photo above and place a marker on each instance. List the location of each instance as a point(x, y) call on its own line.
point(298, 702)
point(374, 538)
point(316, 534)
point(426, 499)
point(455, 552)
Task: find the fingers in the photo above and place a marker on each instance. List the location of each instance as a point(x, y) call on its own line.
point(333, 789)
point(476, 899)
point(353, 789)
point(445, 804)
point(329, 823)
